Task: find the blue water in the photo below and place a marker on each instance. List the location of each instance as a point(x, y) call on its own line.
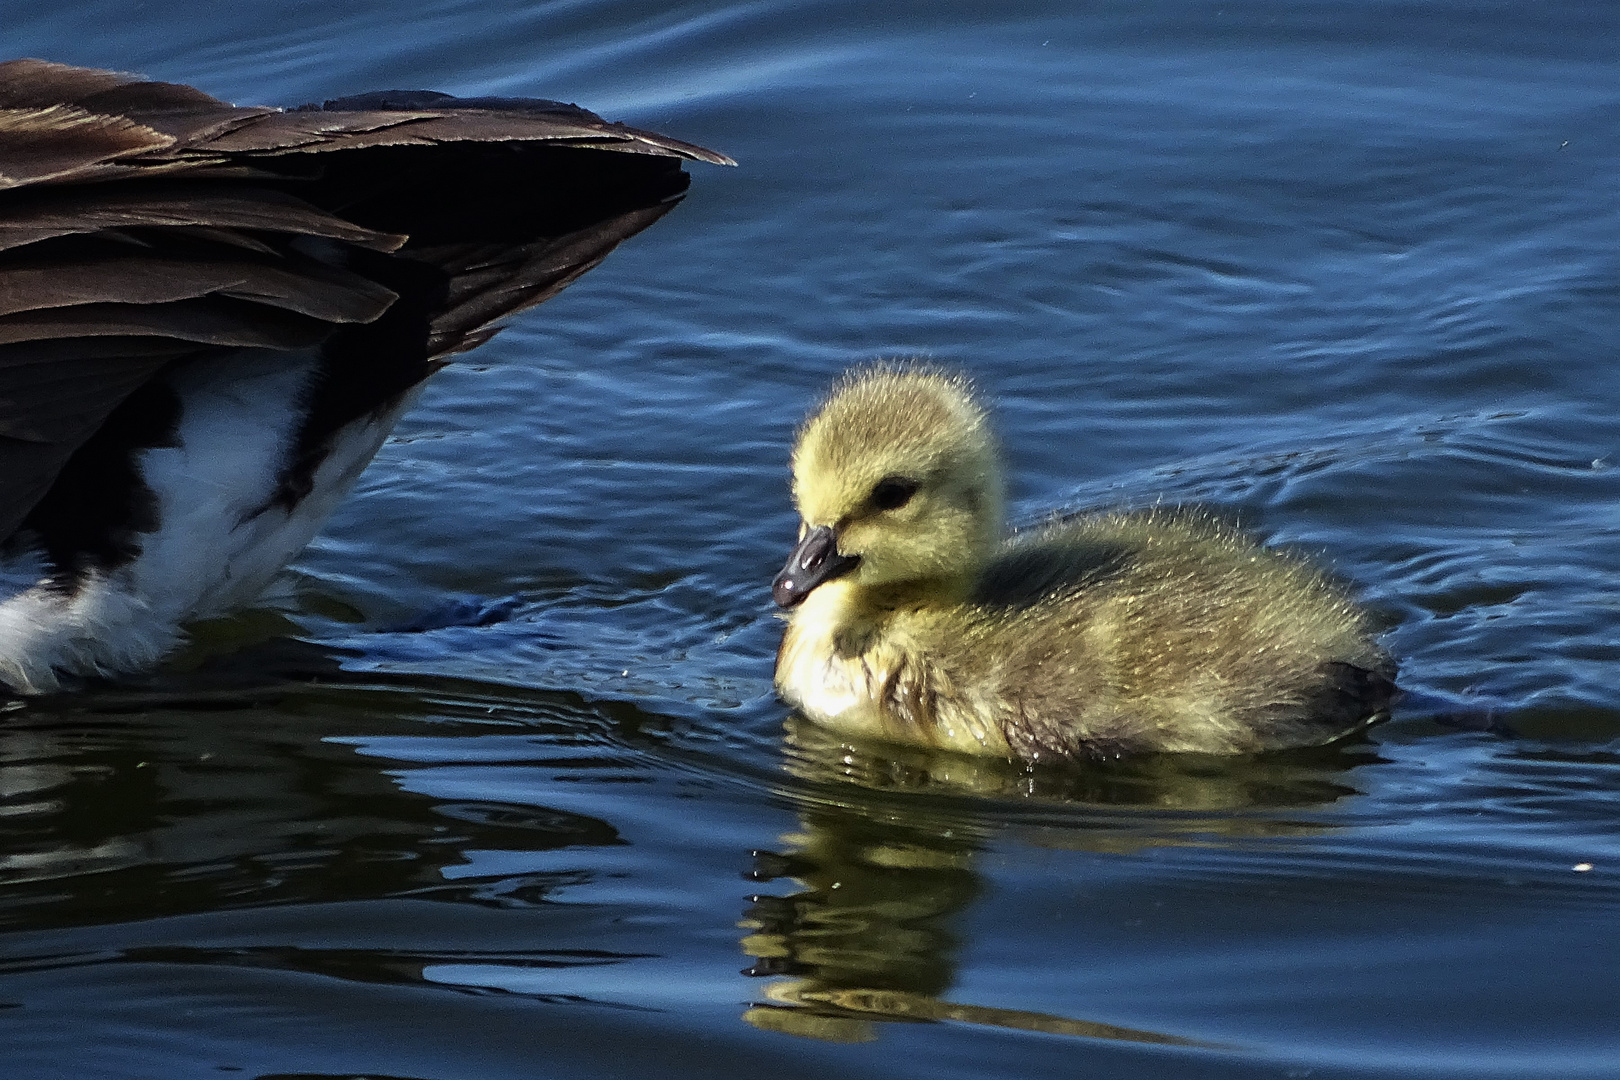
point(1348, 270)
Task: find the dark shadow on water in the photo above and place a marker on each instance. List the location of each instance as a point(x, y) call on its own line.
point(235, 785)
point(382, 967)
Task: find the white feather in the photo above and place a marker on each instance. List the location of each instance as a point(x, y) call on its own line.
point(216, 547)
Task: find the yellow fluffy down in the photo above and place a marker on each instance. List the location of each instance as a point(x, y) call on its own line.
point(1104, 634)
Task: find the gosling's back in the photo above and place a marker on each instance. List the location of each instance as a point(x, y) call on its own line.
point(1168, 631)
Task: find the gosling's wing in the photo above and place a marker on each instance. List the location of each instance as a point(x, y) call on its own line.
point(1026, 572)
point(142, 223)
point(1128, 548)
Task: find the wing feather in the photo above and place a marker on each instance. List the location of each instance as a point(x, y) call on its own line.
point(147, 223)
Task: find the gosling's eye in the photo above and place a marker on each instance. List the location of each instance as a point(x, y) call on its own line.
point(893, 492)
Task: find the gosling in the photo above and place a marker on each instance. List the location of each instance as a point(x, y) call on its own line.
point(915, 620)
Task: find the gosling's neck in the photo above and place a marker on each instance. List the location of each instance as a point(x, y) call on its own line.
point(849, 660)
point(853, 619)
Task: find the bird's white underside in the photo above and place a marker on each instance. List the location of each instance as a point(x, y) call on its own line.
point(212, 552)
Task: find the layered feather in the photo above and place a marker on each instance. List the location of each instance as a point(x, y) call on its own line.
point(147, 223)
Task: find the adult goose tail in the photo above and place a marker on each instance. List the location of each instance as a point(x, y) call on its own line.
point(147, 228)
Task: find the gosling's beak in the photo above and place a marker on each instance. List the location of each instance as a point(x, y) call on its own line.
point(815, 560)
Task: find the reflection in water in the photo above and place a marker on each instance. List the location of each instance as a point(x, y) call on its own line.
point(1165, 784)
point(869, 936)
point(389, 967)
point(206, 791)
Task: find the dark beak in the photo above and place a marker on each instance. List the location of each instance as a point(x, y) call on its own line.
point(815, 560)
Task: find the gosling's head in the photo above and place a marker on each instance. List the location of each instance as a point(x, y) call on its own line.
point(898, 483)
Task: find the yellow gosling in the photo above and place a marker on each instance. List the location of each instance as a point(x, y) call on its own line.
point(914, 619)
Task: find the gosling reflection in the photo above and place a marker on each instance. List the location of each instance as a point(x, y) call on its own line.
point(885, 861)
point(868, 938)
point(873, 912)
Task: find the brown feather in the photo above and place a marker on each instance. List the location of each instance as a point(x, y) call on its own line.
point(32, 84)
point(309, 287)
point(58, 142)
point(28, 217)
point(142, 223)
